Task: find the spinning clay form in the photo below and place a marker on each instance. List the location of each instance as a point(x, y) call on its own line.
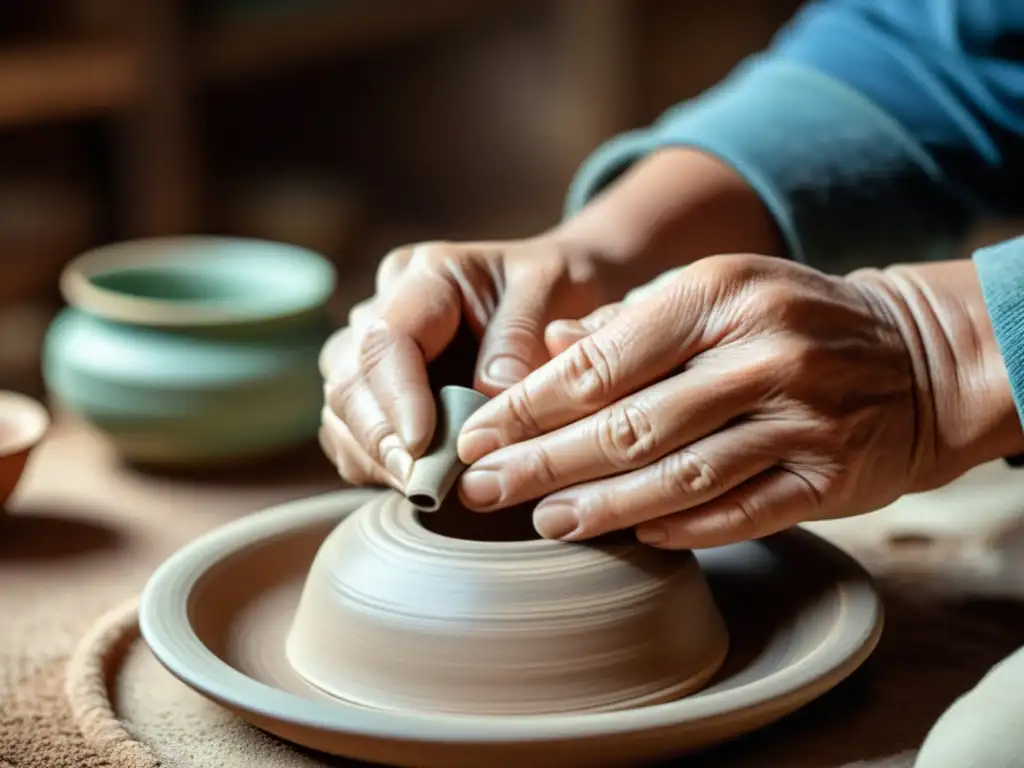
point(232, 615)
point(408, 630)
point(464, 612)
point(396, 616)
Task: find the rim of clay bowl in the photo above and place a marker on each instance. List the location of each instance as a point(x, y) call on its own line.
point(167, 628)
point(219, 281)
point(30, 418)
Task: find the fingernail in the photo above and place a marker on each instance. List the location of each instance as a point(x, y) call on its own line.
point(481, 488)
point(653, 535)
point(505, 371)
point(398, 462)
point(555, 521)
point(567, 328)
point(473, 446)
point(410, 427)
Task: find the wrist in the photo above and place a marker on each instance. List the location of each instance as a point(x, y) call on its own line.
point(676, 206)
point(967, 415)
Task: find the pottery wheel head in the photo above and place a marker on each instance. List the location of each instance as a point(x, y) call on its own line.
point(396, 616)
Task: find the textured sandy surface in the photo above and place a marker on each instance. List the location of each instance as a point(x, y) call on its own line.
point(84, 534)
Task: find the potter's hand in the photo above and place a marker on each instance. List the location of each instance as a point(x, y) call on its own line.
point(746, 394)
point(380, 411)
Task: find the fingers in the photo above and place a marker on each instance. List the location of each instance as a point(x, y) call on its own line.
point(513, 342)
point(638, 346)
point(353, 463)
point(332, 352)
point(694, 475)
point(562, 334)
point(378, 374)
point(376, 369)
point(770, 502)
point(342, 341)
point(356, 406)
point(391, 268)
point(627, 435)
point(363, 314)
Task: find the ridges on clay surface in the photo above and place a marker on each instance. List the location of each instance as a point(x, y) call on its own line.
point(396, 616)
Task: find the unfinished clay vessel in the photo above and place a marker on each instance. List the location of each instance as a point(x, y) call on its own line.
point(416, 604)
point(398, 616)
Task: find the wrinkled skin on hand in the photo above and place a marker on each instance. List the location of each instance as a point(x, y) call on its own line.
point(380, 413)
point(735, 398)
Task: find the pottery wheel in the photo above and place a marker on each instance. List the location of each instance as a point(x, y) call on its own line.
point(801, 613)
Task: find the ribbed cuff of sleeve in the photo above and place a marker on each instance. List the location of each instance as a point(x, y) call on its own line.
point(846, 185)
point(1001, 273)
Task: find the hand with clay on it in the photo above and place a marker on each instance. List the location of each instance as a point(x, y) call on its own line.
point(745, 394)
point(379, 414)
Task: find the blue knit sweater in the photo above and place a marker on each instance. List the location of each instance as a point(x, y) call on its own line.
point(875, 131)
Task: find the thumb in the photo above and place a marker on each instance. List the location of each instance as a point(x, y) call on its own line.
point(513, 342)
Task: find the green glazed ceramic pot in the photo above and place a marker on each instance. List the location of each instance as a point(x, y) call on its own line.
point(191, 350)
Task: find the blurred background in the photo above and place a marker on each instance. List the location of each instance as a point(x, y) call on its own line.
point(347, 126)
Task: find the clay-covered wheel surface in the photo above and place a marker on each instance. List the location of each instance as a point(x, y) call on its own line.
point(802, 616)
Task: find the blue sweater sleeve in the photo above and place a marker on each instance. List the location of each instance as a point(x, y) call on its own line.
point(1001, 273)
point(874, 130)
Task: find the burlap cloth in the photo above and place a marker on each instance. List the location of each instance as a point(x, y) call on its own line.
point(79, 689)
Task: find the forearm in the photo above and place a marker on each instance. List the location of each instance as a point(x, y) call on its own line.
point(867, 134)
point(967, 412)
point(672, 208)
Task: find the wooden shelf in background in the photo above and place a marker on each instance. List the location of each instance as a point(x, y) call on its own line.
point(60, 81)
point(65, 80)
point(262, 43)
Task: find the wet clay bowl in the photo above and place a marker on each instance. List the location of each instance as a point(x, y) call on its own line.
point(23, 422)
point(410, 611)
point(801, 616)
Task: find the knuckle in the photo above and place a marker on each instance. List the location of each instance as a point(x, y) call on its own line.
point(333, 353)
point(687, 474)
point(816, 485)
point(589, 371)
point(745, 518)
point(627, 436)
point(392, 264)
point(334, 447)
point(432, 254)
point(376, 435)
point(599, 513)
point(362, 313)
point(339, 395)
point(521, 414)
point(716, 272)
point(599, 318)
point(343, 413)
point(541, 469)
point(373, 347)
point(519, 330)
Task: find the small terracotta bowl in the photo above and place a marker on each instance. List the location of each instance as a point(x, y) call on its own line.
point(414, 612)
point(23, 422)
